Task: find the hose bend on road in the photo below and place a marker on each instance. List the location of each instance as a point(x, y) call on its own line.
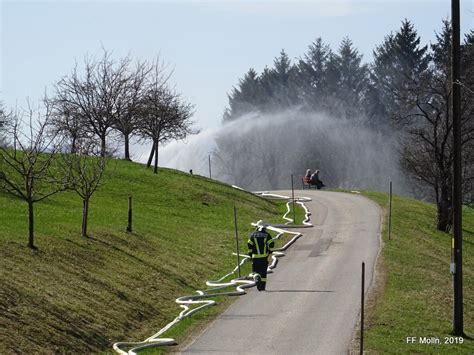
point(202, 298)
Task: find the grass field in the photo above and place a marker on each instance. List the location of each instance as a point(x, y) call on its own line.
point(80, 295)
point(418, 296)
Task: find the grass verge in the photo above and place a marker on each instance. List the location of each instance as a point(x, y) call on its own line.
point(418, 296)
point(80, 295)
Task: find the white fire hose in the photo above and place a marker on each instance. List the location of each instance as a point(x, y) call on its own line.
point(201, 299)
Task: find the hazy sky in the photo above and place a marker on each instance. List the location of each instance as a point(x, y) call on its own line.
point(210, 44)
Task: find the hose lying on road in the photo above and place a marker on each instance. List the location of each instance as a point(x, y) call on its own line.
point(201, 299)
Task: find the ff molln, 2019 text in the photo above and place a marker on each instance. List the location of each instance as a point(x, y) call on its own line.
point(432, 340)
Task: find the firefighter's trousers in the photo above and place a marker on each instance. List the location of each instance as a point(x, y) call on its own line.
point(259, 267)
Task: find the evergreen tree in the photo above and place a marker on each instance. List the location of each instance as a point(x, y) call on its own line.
point(247, 97)
point(398, 63)
point(375, 109)
point(467, 96)
point(281, 82)
point(441, 50)
point(348, 80)
point(412, 59)
point(467, 65)
point(268, 88)
point(312, 75)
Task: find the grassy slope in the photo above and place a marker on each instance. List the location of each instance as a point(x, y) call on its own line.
point(418, 291)
point(81, 295)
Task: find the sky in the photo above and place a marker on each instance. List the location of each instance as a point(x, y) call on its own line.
point(209, 44)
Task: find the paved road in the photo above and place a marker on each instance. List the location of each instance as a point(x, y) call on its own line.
point(312, 301)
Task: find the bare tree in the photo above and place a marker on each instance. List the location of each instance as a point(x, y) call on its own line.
point(68, 123)
point(3, 115)
point(94, 97)
point(167, 117)
point(85, 170)
point(4, 119)
point(26, 165)
point(165, 114)
point(426, 118)
point(127, 113)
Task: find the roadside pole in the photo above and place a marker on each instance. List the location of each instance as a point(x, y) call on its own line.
point(209, 159)
point(129, 224)
point(237, 241)
point(362, 310)
point(390, 213)
point(458, 327)
point(293, 198)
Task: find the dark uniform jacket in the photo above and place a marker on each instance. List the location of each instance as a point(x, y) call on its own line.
point(260, 245)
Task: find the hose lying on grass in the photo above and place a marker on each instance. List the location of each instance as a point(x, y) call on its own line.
point(201, 299)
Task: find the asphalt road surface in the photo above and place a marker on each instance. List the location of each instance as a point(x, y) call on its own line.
point(312, 302)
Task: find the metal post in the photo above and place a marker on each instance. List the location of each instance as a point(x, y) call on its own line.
point(129, 225)
point(237, 240)
point(457, 175)
point(362, 291)
point(209, 158)
point(293, 198)
point(390, 213)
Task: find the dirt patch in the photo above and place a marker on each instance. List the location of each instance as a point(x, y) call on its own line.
point(207, 199)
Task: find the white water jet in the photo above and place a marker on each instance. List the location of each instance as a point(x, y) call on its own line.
point(261, 151)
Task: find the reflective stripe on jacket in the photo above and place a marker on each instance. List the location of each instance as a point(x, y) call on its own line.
point(260, 245)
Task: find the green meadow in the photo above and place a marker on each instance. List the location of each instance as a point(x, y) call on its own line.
point(416, 295)
point(80, 295)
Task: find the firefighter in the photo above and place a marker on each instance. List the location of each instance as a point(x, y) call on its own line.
point(260, 246)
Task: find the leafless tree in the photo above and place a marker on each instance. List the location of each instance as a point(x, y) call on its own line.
point(127, 113)
point(426, 118)
point(165, 115)
point(2, 115)
point(4, 120)
point(94, 97)
point(84, 169)
point(68, 123)
point(26, 165)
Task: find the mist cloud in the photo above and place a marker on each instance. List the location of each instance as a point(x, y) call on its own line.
point(261, 151)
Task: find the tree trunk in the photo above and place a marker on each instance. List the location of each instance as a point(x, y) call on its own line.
point(127, 146)
point(150, 158)
point(30, 225)
point(73, 144)
point(102, 146)
point(444, 209)
point(85, 213)
point(155, 170)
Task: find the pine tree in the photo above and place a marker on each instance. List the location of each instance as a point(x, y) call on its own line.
point(441, 50)
point(311, 73)
point(282, 82)
point(467, 96)
point(398, 63)
point(275, 89)
point(348, 80)
point(245, 98)
point(467, 65)
point(268, 89)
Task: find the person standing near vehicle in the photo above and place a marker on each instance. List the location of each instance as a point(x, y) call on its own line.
point(260, 246)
